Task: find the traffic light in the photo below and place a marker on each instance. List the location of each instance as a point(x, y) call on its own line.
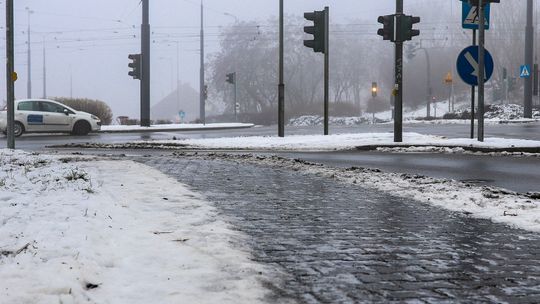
point(406, 31)
point(387, 32)
point(374, 89)
point(318, 30)
point(135, 65)
point(231, 78)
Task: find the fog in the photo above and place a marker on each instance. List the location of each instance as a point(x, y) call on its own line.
point(87, 42)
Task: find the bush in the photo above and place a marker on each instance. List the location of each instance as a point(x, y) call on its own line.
point(95, 107)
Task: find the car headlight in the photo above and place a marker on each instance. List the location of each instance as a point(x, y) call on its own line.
point(94, 117)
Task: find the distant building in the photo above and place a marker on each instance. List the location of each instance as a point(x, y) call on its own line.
point(184, 99)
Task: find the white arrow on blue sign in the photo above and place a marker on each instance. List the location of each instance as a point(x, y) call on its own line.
point(468, 67)
point(470, 16)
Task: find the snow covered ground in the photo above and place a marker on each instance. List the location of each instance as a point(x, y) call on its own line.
point(95, 231)
point(496, 114)
point(328, 143)
point(168, 127)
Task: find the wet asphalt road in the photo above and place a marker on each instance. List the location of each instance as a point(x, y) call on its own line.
point(520, 174)
point(39, 141)
point(340, 243)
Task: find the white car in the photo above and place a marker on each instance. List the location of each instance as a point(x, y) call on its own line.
point(42, 115)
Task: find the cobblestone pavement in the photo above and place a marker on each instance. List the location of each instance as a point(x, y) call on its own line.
point(339, 243)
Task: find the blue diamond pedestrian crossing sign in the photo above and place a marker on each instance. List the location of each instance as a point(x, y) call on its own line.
point(470, 16)
point(525, 71)
point(468, 67)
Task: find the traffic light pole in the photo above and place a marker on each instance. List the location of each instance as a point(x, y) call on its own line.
point(202, 100)
point(10, 74)
point(398, 107)
point(481, 70)
point(529, 49)
point(145, 73)
point(281, 85)
point(235, 99)
point(473, 93)
point(326, 67)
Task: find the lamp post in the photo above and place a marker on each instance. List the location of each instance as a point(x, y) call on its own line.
point(29, 58)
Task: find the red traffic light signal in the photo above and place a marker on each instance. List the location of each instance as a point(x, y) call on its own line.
point(374, 89)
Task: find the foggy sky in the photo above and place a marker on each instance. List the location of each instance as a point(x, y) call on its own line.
point(87, 42)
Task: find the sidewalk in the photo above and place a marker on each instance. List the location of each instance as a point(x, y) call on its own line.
point(95, 231)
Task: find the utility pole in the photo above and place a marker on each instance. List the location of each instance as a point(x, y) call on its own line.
point(44, 70)
point(10, 74)
point(529, 44)
point(398, 86)
point(481, 69)
point(145, 55)
point(326, 67)
point(202, 114)
point(236, 108)
point(429, 90)
point(29, 58)
point(473, 93)
point(281, 85)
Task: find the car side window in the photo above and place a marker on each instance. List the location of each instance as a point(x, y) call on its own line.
point(26, 106)
point(51, 107)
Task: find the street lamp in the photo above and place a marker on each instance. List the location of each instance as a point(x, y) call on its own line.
point(29, 82)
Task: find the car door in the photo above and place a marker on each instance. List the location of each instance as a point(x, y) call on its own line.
point(54, 117)
point(28, 113)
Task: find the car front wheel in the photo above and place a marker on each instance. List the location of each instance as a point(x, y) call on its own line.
point(18, 129)
point(81, 128)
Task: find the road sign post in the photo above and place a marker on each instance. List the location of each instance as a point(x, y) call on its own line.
point(10, 73)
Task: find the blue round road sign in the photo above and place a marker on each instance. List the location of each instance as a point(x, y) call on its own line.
point(467, 65)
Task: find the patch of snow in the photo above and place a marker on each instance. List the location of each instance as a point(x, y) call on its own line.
point(113, 232)
point(342, 142)
point(165, 127)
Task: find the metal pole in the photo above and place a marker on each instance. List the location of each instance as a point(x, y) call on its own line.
point(29, 58)
point(178, 74)
point(202, 114)
point(429, 90)
point(235, 100)
point(398, 121)
point(473, 93)
point(326, 67)
point(44, 70)
point(281, 85)
point(10, 74)
point(529, 43)
point(481, 72)
point(145, 50)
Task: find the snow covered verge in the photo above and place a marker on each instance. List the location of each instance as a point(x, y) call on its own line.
point(495, 114)
point(499, 205)
point(365, 141)
point(96, 231)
